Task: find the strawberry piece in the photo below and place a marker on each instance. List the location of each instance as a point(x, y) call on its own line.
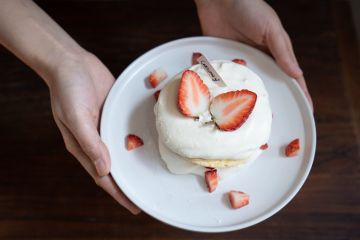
point(239, 61)
point(193, 95)
point(231, 109)
point(293, 148)
point(238, 199)
point(211, 179)
point(133, 142)
point(157, 94)
point(264, 146)
point(194, 58)
point(157, 76)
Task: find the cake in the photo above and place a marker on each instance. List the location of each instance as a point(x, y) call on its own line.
point(191, 142)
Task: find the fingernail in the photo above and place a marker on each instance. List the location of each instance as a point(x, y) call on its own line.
point(100, 167)
point(135, 211)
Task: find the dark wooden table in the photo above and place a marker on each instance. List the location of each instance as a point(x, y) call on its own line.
point(44, 192)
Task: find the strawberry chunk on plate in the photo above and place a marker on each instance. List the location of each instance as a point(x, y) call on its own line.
point(211, 179)
point(239, 61)
point(230, 110)
point(133, 142)
point(157, 76)
point(293, 148)
point(264, 146)
point(157, 94)
point(238, 199)
point(193, 95)
point(195, 57)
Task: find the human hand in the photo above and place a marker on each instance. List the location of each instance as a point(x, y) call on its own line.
point(253, 22)
point(78, 89)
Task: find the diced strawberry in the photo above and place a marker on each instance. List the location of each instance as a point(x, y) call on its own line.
point(238, 199)
point(195, 56)
point(133, 142)
point(157, 76)
point(211, 179)
point(193, 95)
point(157, 94)
point(231, 109)
point(239, 61)
point(264, 146)
point(293, 148)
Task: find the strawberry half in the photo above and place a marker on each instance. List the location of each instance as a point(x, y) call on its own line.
point(157, 76)
point(239, 61)
point(231, 109)
point(193, 95)
point(157, 94)
point(293, 148)
point(211, 179)
point(194, 58)
point(238, 199)
point(264, 146)
point(133, 142)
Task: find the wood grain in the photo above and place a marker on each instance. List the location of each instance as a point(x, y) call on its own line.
point(44, 192)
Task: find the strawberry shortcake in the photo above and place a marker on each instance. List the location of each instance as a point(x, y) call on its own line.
point(203, 126)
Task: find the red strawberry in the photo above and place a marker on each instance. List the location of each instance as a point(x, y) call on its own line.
point(238, 199)
point(211, 179)
point(157, 94)
point(157, 76)
point(231, 109)
point(193, 95)
point(264, 146)
point(133, 142)
point(195, 56)
point(293, 148)
point(239, 61)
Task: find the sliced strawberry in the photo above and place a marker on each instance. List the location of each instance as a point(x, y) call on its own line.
point(211, 179)
point(195, 56)
point(133, 142)
point(231, 109)
point(238, 199)
point(264, 146)
point(293, 148)
point(193, 95)
point(157, 76)
point(157, 94)
point(239, 61)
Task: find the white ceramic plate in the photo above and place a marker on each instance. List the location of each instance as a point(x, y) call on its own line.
point(182, 200)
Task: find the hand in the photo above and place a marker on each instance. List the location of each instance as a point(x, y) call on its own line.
point(253, 22)
point(78, 90)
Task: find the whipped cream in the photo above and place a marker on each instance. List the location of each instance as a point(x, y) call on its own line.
point(182, 138)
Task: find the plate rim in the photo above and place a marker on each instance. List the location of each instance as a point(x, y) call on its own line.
point(293, 84)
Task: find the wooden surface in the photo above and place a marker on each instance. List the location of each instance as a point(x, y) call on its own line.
point(45, 194)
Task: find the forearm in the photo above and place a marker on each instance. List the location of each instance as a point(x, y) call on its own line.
point(34, 37)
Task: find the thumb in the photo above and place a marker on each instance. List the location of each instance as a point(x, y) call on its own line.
point(85, 132)
point(280, 46)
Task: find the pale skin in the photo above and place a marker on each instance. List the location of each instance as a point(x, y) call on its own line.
point(79, 82)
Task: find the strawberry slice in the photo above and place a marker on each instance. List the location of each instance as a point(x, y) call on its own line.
point(264, 146)
point(193, 95)
point(157, 76)
point(231, 109)
point(157, 94)
point(194, 58)
point(133, 142)
point(293, 148)
point(211, 179)
point(238, 199)
point(239, 61)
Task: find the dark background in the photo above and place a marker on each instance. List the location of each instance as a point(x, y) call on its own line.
point(45, 193)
